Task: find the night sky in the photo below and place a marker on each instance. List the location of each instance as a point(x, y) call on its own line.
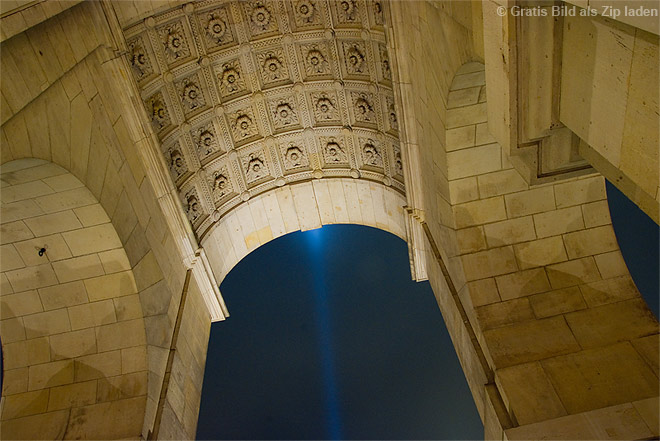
point(329, 338)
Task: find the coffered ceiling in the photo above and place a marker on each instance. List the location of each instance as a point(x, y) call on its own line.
point(252, 95)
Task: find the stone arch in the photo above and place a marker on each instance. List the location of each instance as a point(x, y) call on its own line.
point(303, 207)
point(73, 333)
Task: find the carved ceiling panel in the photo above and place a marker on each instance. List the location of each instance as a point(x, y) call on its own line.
point(246, 96)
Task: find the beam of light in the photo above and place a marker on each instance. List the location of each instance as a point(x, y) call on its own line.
point(324, 328)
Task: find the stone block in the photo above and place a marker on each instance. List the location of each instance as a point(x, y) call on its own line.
point(32, 277)
point(114, 261)
point(17, 305)
point(471, 239)
point(489, 263)
point(12, 330)
point(540, 252)
point(483, 136)
point(92, 314)
point(9, 258)
point(463, 97)
point(66, 200)
point(85, 422)
point(14, 232)
point(155, 299)
point(91, 215)
point(463, 190)
point(47, 224)
point(501, 182)
point(28, 190)
point(147, 272)
point(101, 365)
point(51, 374)
point(127, 307)
point(92, 239)
point(589, 242)
point(72, 395)
point(73, 344)
point(19, 210)
point(78, 268)
point(473, 161)
point(529, 341)
point(120, 335)
point(133, 359)
point(468, 80)
point(14, 381)
point(573, 272)
point(648, 348)
point(557, 302)
point(55, 246)
point(63, 295)
point(63, 182)
point(601, 377)
point(460, 138)
point(504, 313)
point(479, 212)
point(510, 231)
point(596, 214)
point(580, 191)
point(648, 410)
point(122, 386)
point(463, 116)
point(27, 403)
point(611, 264)
point(528, 393)
point(483, 292)
point(46, 323)
point(531, 201)
point(553, 223)
point(522, 283)
point(607, 291)
point(110, 286)
point(608, 324)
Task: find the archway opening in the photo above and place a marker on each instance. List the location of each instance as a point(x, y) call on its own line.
point(330, 338)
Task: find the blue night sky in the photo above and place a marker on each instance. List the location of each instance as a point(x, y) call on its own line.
point(329, 338)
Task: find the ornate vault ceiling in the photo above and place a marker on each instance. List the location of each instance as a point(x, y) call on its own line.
point(252, 95)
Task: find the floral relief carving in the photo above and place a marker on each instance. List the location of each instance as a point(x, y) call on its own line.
point(398, 163)
point(333, 151)
point(355, 59)
point(160, 117)
point(316, 60)
point(139, 59)
point(283, 113)
point(260, 17)
point(243, 125)
point(347, 11)
point(325, 107)
point(377, 12)
point(191, 94)
point(305, 13)
point(294, 156)
point(217, 28)
point(230, 78)
point(391, 114)
point(221, 185)
point(371, 154)
point(176, 161)
point(363, 108)
point(192, 205)
point(174, 42)
point(385, 68)
point(205, 141)
point(273, 67)
point(255, 167)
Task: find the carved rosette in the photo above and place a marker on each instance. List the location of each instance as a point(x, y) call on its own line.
point(294, 156)
point(160, 117)
point(316, 60)
point(385, 68)
point(230, 78)
point(192, 205)
point(255, 167)
point(272, 66)
point(190, 93)
point(243, 125)
point(355, 58)
point(363, 108)
point(306, 13)
point(325, 108)
point(205, 140)
point(370, 152)
point(392, 121)
point(176, 162)
point(217, 28)
point(139, 58)
point(334, 151)
point(347, 11)
point(377, 13)
point(398, 162)
point(221, 185)
point(283, 113)
point(261, 19)
point(173, 38)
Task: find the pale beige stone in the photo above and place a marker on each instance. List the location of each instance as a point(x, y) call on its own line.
point(648, 348)
point(73, 344)
point(463, 97)
point(557, 222)
point(91, 215)
point(471, 240)
point(532, 201)
point(128, 411)
point(530, 341)
point(529, 394)
point(460, 138)
point(123, 386)
point(612, 323)
point(53, 223)
point(101, 365)
point(12, 329)
point(16, 305)
point(479, 212)
point(600, 377)
point(14, 381)
point(147, 271)
point(556, 302)
point(580, 191)
point(50, 374)
point(78, 268)
point(489, 263)
point(133, 359)
point(540, 252)
point(609, 291)
point(473, 161)
point(589, 242)
point(483, 136)
point(463, 190)
point(20, 210)
point(46, 323)
point(648, 409)
point(573, 272)
point(114, 261)
point(72, 395)
point(28, 403)
point(510, 231)
point(463, 116)
point(5, 286)
point(92, 239)
point(28, 190)
point(14, 231)
point(49, 425)
point(596, 214)
point(468, 80)
point(66, 200)
point(111, 285)
point(522, 283)
point(92, 314)
point(611, 264)
point(32, 277)
point(501, 182)
point(483, 292)
point(9, 258)
point(63, 295)
point(56, 249)
point(504, 313)
point(128, 307)
point(120, 335)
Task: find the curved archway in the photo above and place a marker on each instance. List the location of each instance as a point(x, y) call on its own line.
point(73, 335)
